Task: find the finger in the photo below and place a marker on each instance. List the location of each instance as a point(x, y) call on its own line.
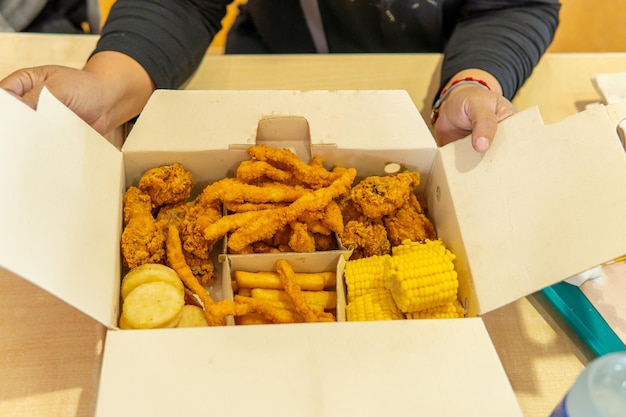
point(484, 127)
point(22, 84)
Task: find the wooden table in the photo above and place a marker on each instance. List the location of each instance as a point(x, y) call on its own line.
point(50, 353)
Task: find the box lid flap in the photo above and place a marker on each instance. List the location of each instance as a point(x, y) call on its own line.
point(58, 227)
point(316, 369)
point(544, 203)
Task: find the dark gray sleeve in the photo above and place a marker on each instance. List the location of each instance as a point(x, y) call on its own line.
point(504, 38)
point(167, 37)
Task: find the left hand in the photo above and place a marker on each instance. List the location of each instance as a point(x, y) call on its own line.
point(472, 109)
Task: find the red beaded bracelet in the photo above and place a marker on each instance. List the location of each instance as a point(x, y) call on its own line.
point(444, 94)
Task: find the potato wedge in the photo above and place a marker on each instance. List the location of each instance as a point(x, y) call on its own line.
point(192, 316)
point(150, 272)
point(152, 305)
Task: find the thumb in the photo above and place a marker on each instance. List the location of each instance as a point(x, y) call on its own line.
point(484, 125)
point(25, 84)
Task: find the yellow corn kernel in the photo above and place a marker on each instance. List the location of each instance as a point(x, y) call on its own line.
point(364, 274)
point(377, 304)
point(421, 275)
point(445, 311)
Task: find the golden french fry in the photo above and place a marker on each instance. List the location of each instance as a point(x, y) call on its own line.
point(266, 279)
point(289, 305)
point(325, 299)
point(152, 305)
point(251, 318)
point(287, 278)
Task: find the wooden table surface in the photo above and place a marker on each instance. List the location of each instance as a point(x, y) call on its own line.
point(50, 353)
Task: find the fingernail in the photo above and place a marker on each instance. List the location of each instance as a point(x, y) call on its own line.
point(482, 144)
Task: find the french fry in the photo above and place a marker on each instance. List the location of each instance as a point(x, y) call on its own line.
point(251, 318)
point(271, 280)
point(289, 305)
point(288, 279)
point(325, 299)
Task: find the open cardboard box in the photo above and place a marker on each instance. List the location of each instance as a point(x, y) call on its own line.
point(544, 203)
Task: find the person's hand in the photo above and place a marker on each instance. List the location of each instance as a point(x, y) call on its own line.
point(81, 91)
point(111, 89)
point(471, 109)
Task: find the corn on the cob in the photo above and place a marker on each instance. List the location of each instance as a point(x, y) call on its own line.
point(450, 310)
point(421, 275)
point(377, 304)
point(363, 275)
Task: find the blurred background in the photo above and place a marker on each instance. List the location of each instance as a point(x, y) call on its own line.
point(586, 26)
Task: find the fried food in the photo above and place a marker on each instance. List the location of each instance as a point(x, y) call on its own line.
point(142, 239)
point(167, 184)
point(367, 237)
point(314, 175)
point(409, 222)
point(378, 196)
point(268, 279)
point(301, 240)
point(176, 261)
point(251, 318)
point(146, 273)
point(190, 218)
point(288, 281)
point(252, 171)
point(325, 299)
point(269, 312)
point(152, 305)
point(231, 190)
point(192, 316)
point(267, 224)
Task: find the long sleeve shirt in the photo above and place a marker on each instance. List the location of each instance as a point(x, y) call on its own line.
point(503, 37)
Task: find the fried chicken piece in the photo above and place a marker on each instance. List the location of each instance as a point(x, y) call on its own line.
point(167, 184)
point(367, 237)
point(301, 240)
point(185, 217)
point(252, 171)
point(231, 190)
point(324, 242)
point(313, 175)
point(199, 217)
point(377, 196)
point(244, 207)
point(409, 222)
point(349, 209)
point(142, 240)
point(293, 290)
point(266, 225)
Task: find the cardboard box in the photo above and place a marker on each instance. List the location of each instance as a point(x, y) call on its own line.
point(545, 203)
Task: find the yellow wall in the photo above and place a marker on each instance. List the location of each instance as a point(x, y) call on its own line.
point(591, 26)
point(218, 42)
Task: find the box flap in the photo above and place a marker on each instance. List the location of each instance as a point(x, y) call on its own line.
point(400, 368)
point(175, 122)
point(544, 203)
point(59, 226)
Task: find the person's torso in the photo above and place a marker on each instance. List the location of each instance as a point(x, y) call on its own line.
point(357, 26)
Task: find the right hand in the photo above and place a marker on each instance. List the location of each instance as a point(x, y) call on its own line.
point(83, 92)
